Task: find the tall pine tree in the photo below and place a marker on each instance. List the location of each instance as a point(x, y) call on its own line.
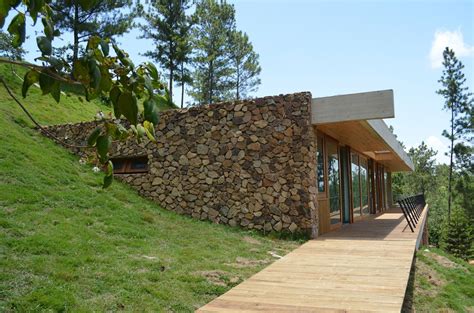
point(246, 67)
point(169, 27)
point(458, 101)
point(215, 21)
point(105, 18)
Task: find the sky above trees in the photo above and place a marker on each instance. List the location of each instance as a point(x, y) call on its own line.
point(337, 47)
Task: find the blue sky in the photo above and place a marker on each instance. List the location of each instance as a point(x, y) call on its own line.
point(337, 47)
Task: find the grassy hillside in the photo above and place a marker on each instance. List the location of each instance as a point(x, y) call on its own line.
point(66, 245)
point(440, 283)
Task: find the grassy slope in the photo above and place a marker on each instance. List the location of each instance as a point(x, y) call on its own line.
point(65, 244)
point(440, 283)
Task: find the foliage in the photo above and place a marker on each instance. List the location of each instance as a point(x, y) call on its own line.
point(7, 49)
point(103, 18)
point(100, 74)
point(84, 249)
point(225, 65)
point(214, 22)
point(168, 26)
point(459, 102)
point(245, 64)
point(457, 237)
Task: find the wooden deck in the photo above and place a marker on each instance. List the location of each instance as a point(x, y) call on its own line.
point(364, 267)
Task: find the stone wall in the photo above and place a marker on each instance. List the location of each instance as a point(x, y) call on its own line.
point(250, 163)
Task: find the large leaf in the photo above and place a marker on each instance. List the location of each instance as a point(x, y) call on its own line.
point(114, 97)
point(95, 74)
point(44, 44)
point(127, 103)
point(30, 78)
point(92, 139)
point(149, 111)
point(48, 84)
point(48, 28)
point(17, 29)
point(108, 181)
point(81, 71)
point(152, 70)
point(103, 145)
point(149, 130)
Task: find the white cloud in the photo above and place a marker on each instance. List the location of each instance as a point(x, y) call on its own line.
point(451, 39)
point(436, 144)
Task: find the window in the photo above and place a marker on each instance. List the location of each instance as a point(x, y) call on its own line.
point(130, 165)
point(334, 184)
point(320, 169)
point(364, 185)
point(355, 173)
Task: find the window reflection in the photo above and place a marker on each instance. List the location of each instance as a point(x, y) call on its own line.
point(364, 186)
point(333, 182)
point(355, 169)
point(320, 169)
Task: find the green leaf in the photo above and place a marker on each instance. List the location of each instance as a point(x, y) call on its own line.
point(44, 44)
point(48, 84)
point(127, 104)
point(92, 139)
point(149, 130)
point(17, 29)
point(105, 47)
point(30, 78)
point(114, 96)
point(81, 71)
point(152, 70)
point(141, 131)
point(149, 112)
point(48, 28)
point(95, 74)
point(103, 145)
point(107, 181)
point(106, 80)
point(110, 168)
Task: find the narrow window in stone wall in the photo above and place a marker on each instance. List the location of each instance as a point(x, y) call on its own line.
point(130, 165)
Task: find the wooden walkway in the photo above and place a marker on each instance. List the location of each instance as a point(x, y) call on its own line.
point(364, 267)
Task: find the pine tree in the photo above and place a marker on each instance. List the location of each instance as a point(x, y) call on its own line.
point(215, 21)
point(458, 101)
point(105, 18)
point(169, 27)
point(421, 180)
point(245, 65)
point(457, 237)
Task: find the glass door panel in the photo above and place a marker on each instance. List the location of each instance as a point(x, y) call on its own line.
point(334, 182)
point(364, 186)
point(355, 171)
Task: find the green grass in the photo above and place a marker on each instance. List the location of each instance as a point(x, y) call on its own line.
point(440, 283)
point(68, 245)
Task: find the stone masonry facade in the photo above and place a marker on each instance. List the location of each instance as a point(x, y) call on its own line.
point(249, 163)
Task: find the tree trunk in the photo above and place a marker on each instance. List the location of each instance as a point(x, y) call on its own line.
point(171, 69)
point(238, 83)
point(182, 85)
point(210, 83)
point(451, 164)
point(75, 50)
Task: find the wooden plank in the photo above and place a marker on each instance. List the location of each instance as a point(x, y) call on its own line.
point(353, 107)
point(363, 267)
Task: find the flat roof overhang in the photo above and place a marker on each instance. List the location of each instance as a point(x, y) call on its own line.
point(356, 121)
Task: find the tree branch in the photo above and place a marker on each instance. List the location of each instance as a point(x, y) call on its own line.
point(43, 130)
